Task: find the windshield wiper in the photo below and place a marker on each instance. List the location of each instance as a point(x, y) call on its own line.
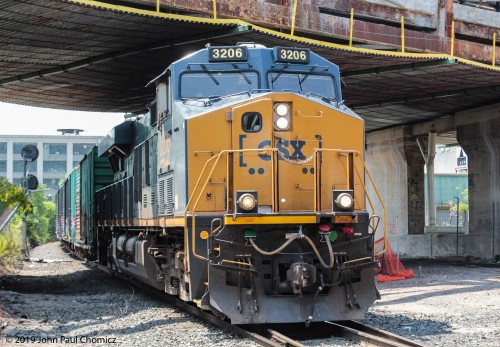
point(209, 74)
point(306, 75)
point(237, 68)
point(279, 74)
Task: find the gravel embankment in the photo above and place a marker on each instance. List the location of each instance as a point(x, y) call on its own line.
point(58, 302)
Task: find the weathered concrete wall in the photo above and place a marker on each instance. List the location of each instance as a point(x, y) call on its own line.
point(474, 15)
point(387, 164)
point(481, 141)
point(397, 167)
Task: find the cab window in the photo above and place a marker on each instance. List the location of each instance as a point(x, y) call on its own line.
point(211, 83)
point(251, 122)
point(322, 85)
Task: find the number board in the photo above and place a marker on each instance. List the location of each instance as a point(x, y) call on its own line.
point(238, 53)
point(292, 55)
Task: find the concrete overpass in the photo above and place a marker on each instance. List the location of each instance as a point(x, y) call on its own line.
point(408, 67)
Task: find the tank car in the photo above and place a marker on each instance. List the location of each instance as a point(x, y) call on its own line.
point(243, 189)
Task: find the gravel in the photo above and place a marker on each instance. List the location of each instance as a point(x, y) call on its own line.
point(62, 301)
point(65, 302)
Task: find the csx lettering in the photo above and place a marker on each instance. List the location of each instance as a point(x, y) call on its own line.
point(284, 147)
point(297, 148)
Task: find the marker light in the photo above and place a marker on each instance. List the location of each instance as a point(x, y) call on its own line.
point(247, 202)
point(344, 201)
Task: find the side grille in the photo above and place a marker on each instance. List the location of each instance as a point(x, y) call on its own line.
point(166, 195)
point(161, 197)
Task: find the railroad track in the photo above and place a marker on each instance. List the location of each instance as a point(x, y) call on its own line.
point(279, 335)
point(292, 334)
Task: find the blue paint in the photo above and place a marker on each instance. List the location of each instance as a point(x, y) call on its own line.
point(242, 163)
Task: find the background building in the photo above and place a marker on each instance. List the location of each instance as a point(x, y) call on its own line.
point(58, 155)
point(450, 181)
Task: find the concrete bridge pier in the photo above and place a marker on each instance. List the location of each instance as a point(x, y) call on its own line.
point(397, 165)
point(481, 142)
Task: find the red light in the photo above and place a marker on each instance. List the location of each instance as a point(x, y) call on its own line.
point(348, 231)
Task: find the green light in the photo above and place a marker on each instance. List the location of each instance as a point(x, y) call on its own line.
point(249, 233)
point(333, 235)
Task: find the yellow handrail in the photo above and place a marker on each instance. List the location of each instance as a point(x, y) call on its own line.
point(196, 187)
point(351, 24)
point(214, 160)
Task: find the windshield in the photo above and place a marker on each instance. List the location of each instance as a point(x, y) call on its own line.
point(211, 83)
point(322, 85)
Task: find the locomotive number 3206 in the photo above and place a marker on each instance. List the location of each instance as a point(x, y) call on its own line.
point(228, 53)
point(293, 55)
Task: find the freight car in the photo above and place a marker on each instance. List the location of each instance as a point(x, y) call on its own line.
point(243, 190)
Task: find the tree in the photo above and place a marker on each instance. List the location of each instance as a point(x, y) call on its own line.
point(463, 206)
point(12, 196)
point(40, 225)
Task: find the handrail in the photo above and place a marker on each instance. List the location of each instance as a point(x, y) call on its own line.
point(197, 185)
point(211, 164)
point(358, 155)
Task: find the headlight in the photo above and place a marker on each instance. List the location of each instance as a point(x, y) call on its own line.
point(282, 123)
point(282, 116)
point(247, 202)
point(344, 201)
point(282, 110)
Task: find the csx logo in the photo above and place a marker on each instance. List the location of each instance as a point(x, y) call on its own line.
point(289, 149)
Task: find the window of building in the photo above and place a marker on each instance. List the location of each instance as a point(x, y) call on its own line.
point(17, 181)
point(18, 166)
point(3, 147)
point(18, 147)
point(3, 167)
point(54, 166)
point(82, 148)
point(56, 148)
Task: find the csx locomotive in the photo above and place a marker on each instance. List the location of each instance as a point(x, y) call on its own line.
point(242, 190)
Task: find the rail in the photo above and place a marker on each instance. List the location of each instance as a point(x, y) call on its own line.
point(354, 162)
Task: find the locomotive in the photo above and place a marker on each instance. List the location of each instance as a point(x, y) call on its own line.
point(242, 190)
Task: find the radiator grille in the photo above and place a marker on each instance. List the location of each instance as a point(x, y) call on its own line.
point(166, 195)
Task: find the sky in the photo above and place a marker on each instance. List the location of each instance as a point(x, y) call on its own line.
point(25, 120)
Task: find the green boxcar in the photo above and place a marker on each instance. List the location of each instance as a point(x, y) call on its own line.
point(75, 222)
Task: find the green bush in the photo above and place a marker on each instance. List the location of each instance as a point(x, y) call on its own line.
point(497, 257)
point(40, 225)
point(10, 245)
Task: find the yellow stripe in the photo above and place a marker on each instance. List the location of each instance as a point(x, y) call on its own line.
point(270, 220)
point(313, 42)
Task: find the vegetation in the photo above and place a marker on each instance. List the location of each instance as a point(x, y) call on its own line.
point(40, 225)
point(38, 212)
point(10, 243)
point(12, 195)
point(463, 206)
